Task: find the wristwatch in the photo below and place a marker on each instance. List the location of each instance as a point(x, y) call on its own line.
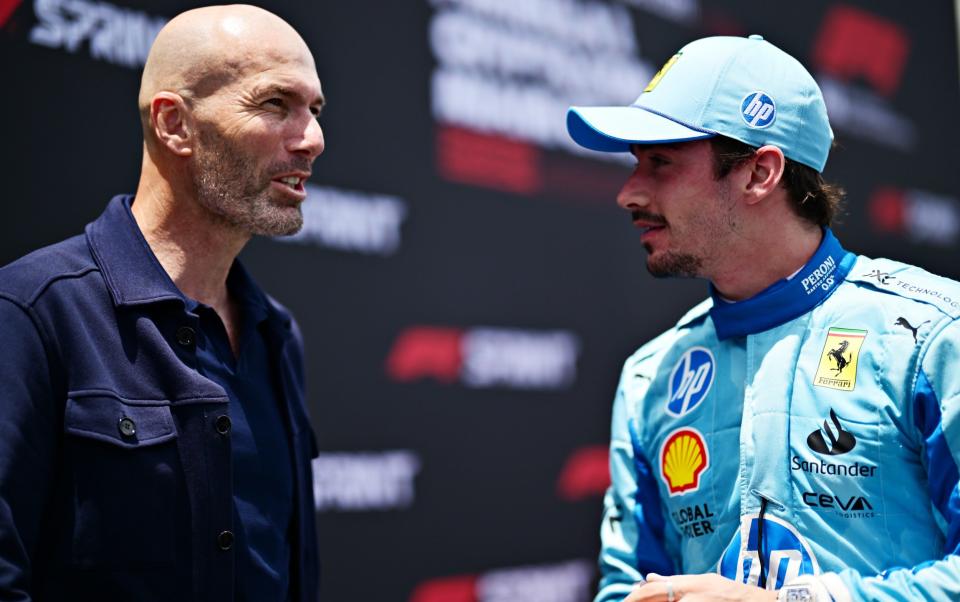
point(804, 589)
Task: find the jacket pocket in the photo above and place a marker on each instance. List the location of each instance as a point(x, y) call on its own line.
point(128, 501)
point(119, 423)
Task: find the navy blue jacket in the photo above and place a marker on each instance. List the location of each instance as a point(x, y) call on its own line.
point(115, 472)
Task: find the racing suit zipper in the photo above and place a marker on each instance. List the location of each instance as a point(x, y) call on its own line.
point(765, 500)
point(762, 581)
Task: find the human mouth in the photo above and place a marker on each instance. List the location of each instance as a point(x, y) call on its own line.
point(647, 222)
point(293, 184)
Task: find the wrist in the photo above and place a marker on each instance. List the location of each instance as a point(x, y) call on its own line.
point(806, 588)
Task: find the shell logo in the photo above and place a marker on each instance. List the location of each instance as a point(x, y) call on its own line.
point(683, 458)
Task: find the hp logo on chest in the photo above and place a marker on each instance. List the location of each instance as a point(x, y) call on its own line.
point(758, 110)
point(690, 381)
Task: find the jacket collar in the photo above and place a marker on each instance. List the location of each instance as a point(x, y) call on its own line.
point(133, 274)
point(129, 267)
point(788, 298)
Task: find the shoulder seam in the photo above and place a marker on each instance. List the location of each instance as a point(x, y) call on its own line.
point(45, 339)
point(936, 289)
point(925, 348)
point(42, 288)
point(862, 284)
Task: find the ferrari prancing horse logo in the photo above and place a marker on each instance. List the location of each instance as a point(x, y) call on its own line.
point(663, 71)
point(838, 360)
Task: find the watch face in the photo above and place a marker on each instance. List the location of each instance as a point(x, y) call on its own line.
point(796, 593)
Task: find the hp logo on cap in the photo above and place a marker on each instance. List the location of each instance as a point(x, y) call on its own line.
point(758, 110)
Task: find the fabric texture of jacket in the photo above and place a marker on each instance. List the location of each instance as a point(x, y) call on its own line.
point(811, 430)
point(115, 462)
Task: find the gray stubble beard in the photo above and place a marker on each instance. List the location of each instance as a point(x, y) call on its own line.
point(227, 184)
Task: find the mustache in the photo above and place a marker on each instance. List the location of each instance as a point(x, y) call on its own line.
point(298, 164)
point(639, 214)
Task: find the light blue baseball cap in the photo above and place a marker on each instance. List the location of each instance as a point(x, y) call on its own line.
point(742, 88)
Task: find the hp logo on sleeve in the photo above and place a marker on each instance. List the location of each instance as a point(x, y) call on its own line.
point(786, 552)
point(690, 381)
point(758, 110)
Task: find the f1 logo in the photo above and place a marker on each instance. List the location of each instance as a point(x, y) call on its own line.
point(856, 44)
point(690, 381)
point(758, 110)
point(6, 10)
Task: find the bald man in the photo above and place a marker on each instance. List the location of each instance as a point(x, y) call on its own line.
point(154, 441)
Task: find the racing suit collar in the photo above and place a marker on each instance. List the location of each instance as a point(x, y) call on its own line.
point(786, 299)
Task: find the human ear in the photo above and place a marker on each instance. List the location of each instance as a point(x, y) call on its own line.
point(170, 121)
point(766, 171)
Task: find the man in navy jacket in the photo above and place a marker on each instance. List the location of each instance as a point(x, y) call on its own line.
point(154, 442)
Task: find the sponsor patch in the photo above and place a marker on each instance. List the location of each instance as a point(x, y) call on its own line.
point(690, 381)
point(663, 71)
point(837, 441)
point(758, 110)
point(786, 553)
point(889, 280)
point(882, 277)
point(854, 469)
point(820, 277)
point(694, 521)
point(844, 506)
point(838, 360)
point(901, 321)
point(683, 458)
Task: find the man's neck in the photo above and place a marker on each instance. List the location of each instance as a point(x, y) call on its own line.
point(195, 248)
point(756, 262)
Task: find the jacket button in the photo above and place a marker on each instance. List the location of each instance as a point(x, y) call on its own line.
point(186, 336)
point(225, 540)
point(128, 427)
point(223, 424)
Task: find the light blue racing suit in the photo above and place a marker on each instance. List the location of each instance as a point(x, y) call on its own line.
point(828, 404)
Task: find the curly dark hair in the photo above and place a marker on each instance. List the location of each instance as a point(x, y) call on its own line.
point(813, 198)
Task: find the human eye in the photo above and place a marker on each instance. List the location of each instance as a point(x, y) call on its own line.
point(275, 102)
point(658, 160)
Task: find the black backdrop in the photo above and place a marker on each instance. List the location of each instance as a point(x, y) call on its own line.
point(465, 283)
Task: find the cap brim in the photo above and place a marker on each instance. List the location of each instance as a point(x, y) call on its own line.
point(614, 129)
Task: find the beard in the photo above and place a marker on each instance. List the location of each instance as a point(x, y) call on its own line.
point(671, 264)
point(703, 234)
point(231, 187)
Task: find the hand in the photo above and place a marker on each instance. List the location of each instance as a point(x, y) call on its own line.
point(697, 588)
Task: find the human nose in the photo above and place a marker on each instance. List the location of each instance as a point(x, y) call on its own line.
point(633, 194)
point(310, 141)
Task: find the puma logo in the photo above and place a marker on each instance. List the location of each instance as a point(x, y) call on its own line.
point(913, 329)
point(837, 356)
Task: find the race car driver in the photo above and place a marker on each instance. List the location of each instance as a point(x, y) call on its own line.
point(796, 436)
